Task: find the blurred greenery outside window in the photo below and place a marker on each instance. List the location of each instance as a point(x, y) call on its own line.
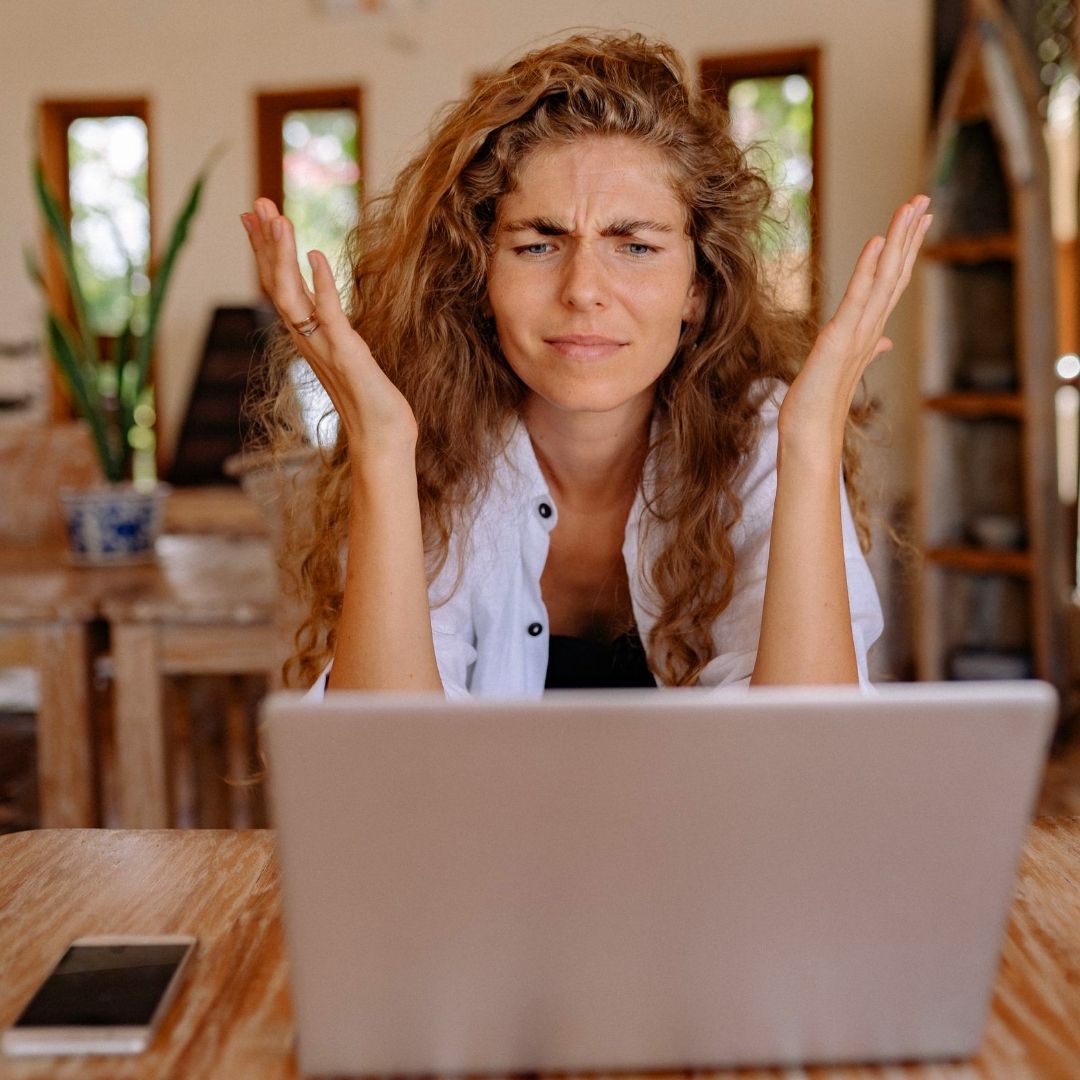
point(322, 178)
point(108, 188)
point(772, 118)
point(321, 181)
point(108, 159)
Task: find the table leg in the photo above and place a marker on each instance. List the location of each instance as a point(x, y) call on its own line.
point(64, 741)
point(140, 729)
point(237, 757)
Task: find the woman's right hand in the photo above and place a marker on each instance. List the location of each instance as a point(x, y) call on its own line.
point(374, 415)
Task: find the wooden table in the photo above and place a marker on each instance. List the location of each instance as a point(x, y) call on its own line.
point(233, 1018)
point(207, 605)
point(45, 617)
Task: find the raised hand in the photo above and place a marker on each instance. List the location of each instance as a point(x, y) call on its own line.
point(817, 402)
point(373, 413)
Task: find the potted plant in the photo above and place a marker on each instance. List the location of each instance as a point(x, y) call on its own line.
point(119, 520)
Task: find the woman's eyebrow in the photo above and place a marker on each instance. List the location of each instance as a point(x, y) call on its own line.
point(632, 228)
point(543, 226)
point(623, 227)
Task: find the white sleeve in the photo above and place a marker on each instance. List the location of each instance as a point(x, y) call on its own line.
point(317, 690)
point(452, 631)
point(455, 644)
point(736, 631)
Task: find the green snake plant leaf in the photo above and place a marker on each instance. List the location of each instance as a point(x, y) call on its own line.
point(65, 351)
point(61, 233)
point(33, 268)
point(164, 269)
point(126, 396)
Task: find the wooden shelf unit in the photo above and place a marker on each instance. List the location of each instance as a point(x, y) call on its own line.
point(987, 445)
point(973, 403)
point(980, 560)
point(971, 249)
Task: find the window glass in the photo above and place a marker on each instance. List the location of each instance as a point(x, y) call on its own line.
point(322, 180)
point(773, 118)
point(110, 217)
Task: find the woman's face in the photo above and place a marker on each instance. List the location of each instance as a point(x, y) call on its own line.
point(592, 273)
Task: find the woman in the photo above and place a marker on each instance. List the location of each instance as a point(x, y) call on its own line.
point(573, 421)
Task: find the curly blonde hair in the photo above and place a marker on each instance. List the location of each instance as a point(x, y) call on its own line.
point(419, 261)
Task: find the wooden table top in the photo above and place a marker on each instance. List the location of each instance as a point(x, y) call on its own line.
point(233, 1017)
point(195, 578)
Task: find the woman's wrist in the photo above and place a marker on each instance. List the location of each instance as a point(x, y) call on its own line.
point(381, 458)
point(812, 451)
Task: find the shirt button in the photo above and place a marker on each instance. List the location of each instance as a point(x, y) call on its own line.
point(545, 510)
point(535, 629)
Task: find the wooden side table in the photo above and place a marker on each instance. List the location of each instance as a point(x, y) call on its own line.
point(208, 607)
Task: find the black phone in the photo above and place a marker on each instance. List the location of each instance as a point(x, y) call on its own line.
point(106, 995)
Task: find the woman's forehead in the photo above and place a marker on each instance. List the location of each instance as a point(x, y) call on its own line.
point(595, 175)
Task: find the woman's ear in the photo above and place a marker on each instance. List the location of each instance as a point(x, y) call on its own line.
point(694, 309)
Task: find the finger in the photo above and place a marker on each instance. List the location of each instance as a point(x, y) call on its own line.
point(912, 239)
point(289, 232)
point(267, 213)
point(891, 263)
point(258, 246)
point(290, 294)
point(853, 303)
point(890, 269)
point(326, 299)
point(265, 209)
point(910, 255)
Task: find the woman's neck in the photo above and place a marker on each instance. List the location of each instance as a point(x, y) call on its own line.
point(590, 460)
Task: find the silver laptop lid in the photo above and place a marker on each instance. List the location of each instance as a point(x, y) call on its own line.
point(645, 880)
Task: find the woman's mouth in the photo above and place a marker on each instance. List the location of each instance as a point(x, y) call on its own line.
point(585, 346)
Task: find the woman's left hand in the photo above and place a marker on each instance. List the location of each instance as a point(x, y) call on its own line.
point(816, 405)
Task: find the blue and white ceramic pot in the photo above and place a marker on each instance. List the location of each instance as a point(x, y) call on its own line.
point(113, 523)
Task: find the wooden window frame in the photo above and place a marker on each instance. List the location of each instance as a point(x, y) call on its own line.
point(271, 108)
point(55, 116)
point(718, 72)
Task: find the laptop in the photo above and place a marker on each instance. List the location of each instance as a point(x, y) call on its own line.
point(645, 880)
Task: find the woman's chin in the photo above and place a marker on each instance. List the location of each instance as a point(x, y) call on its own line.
point(598, 400)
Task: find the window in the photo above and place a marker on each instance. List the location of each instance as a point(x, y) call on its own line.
point(108, 166)
point(311, 165)
point(774, 100)
point(95, 155)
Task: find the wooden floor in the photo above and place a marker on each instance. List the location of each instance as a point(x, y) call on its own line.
point(1061, 785)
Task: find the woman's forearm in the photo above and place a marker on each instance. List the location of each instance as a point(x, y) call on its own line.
point(384, 634)
point(806, 618)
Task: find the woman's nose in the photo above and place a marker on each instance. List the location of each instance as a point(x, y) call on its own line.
point(585, 284)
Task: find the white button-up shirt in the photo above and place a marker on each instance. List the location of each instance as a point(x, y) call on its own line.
point(491, 631)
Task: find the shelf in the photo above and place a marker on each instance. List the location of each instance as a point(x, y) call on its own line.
point(981, 560)
point(975, 403)
point(985, 381)
point(972, 249)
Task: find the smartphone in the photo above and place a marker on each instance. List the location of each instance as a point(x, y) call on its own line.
point(107, 995)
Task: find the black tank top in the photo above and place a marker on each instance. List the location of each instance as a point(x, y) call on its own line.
point(577, 663)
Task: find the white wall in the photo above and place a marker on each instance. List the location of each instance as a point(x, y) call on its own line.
point(200, 63)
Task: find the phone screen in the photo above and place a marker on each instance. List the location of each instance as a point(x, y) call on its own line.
point(104, 986)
